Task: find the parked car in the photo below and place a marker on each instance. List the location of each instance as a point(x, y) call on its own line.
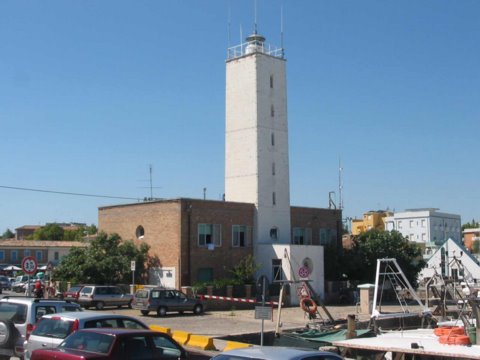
point(19, 284)
point(73, 293)
point(4, 283)
point(276, 353)
point(51, 329)
point(118, 344)
point(163, 300)
point(18, 315)
point(100, 296)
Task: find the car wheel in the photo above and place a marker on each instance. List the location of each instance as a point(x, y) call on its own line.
point(129, 305)
point(198, 309)
point(162, 311)
point(144, 312)
point(6, 333)
point(99, 305)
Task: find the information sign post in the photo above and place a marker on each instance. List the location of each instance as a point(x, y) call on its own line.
point(132, 267)
point(29, 267)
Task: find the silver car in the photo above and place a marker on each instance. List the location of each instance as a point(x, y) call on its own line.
point(18, 316)
point(50, 331)
point(100, 296)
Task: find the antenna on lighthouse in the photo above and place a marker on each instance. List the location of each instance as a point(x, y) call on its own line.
point(281, 27)
point(255, 16)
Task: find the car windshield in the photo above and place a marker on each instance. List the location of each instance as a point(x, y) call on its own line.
point(88, 341)
point(53, 327)
point(75, 289)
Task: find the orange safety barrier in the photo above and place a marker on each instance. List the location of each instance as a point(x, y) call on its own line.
point(454, 340)
point(449, 330)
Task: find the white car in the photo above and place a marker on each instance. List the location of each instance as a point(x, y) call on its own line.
point(50, 331)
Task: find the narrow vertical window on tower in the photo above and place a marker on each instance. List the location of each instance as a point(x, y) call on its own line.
point(274, 198)
point(273, 169)
point(272, 111)
point(273, 139)
point(271, 81)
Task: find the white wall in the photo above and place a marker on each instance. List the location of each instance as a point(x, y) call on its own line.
point(291, 263)
point(250, 154)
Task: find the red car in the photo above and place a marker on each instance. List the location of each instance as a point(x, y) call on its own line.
point(72, 293)
point(118, 344)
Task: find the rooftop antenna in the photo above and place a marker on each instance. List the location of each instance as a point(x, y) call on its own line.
point(281, 27)
point(340, 184)
point(255, 16)
point(229, 20)
point(151, 182)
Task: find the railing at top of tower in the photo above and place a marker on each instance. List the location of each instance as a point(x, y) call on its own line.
point(250, 47)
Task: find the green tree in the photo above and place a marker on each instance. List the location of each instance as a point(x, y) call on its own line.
point(105, 261)
point(360, 262)
point(49, 232)
point(244, 271)
point(8, 234)
point(471, 225)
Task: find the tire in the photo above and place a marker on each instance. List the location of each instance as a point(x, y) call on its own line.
point(198, 309)
point(99, 305)
point(162, 311)
point(7, 333)
point(144, 312)
point(129, 305)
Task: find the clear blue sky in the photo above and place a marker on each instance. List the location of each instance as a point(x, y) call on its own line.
point(92, 92)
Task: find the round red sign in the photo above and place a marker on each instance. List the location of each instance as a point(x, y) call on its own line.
point(29, 265)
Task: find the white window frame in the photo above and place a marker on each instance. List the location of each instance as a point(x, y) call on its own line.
point(277, 270)
point(237, 230)
point(301, 236)
point(209, 234)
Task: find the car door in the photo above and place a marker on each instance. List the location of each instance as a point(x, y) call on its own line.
point(183, 304)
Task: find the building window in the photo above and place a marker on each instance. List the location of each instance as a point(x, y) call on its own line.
point(412, 224)
point(412, 237)
point(302, 236)
point(204, 275)
point(241, 236)
point(277, 271)
point(209, 234)
point(56, 256)
point(26, 252)
point(38, 255)
point(273, 139)
point(271, 81)
point(400, 224)
point(274, 233)
point(423, 223)
point(328, 236)
point(274, 198)
point(272, 111)
point(2, 255)
point(14, 256)
point(424, 237)
point(273, 169)
point(140, 232)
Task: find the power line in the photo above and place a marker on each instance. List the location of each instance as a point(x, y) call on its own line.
point(68, 193)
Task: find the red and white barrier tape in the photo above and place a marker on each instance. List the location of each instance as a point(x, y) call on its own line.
point(226, 298)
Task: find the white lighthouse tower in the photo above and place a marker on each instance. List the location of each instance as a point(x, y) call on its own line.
point(256, 159)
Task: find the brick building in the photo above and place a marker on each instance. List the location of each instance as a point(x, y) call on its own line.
point(200, 240)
